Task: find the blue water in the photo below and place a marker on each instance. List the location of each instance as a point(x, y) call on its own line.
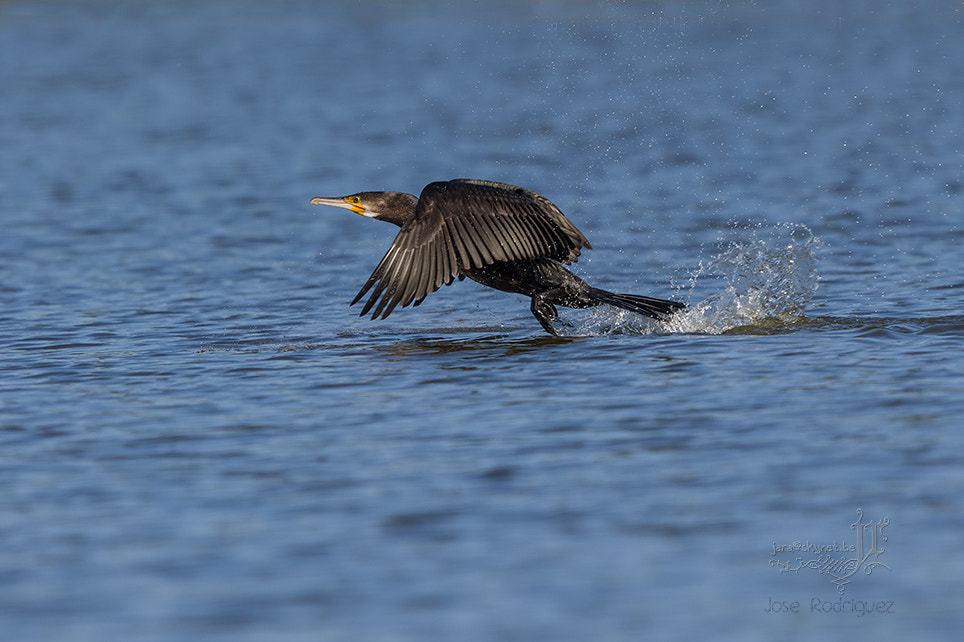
point(200, 440)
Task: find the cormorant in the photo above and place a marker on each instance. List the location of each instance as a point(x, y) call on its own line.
point(499, 235)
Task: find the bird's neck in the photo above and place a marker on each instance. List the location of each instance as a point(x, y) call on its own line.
point(402, 209)
point(397, 218)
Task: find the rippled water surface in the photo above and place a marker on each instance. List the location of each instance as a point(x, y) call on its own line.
point(200, 440)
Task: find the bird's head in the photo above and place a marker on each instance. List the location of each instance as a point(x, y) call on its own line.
point(394, 207)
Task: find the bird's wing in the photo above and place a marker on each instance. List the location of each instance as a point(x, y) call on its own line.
point(420, 260)
point(504, 200)
point(466, 224)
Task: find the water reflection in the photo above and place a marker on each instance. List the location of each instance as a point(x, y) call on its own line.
point(490, 345)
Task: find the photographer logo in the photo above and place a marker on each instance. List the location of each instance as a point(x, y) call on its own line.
point(840, 561)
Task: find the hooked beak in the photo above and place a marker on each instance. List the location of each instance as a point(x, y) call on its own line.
point(342, 202)
point(334, 202)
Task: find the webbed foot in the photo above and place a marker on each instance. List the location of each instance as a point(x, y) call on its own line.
point(544, 312)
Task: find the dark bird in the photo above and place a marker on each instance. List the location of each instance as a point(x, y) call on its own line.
point(499, 235)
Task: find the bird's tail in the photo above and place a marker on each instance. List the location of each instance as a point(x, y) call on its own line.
point(655, 308)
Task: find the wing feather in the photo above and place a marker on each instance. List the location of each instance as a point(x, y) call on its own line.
point(541, 207)
point(488, 237)
point(450, 257)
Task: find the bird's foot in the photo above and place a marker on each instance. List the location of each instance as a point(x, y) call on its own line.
point(544, 312)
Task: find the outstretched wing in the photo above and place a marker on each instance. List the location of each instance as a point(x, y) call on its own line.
point(467, 224)
point(567, 251)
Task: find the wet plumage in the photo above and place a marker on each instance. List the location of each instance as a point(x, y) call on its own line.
point(499, 235)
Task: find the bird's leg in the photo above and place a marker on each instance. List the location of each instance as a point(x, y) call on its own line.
point(544, 312)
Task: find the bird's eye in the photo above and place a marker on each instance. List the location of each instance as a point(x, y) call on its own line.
point(355, 199)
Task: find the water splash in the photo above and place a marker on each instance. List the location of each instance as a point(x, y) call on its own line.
point(764, 277)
